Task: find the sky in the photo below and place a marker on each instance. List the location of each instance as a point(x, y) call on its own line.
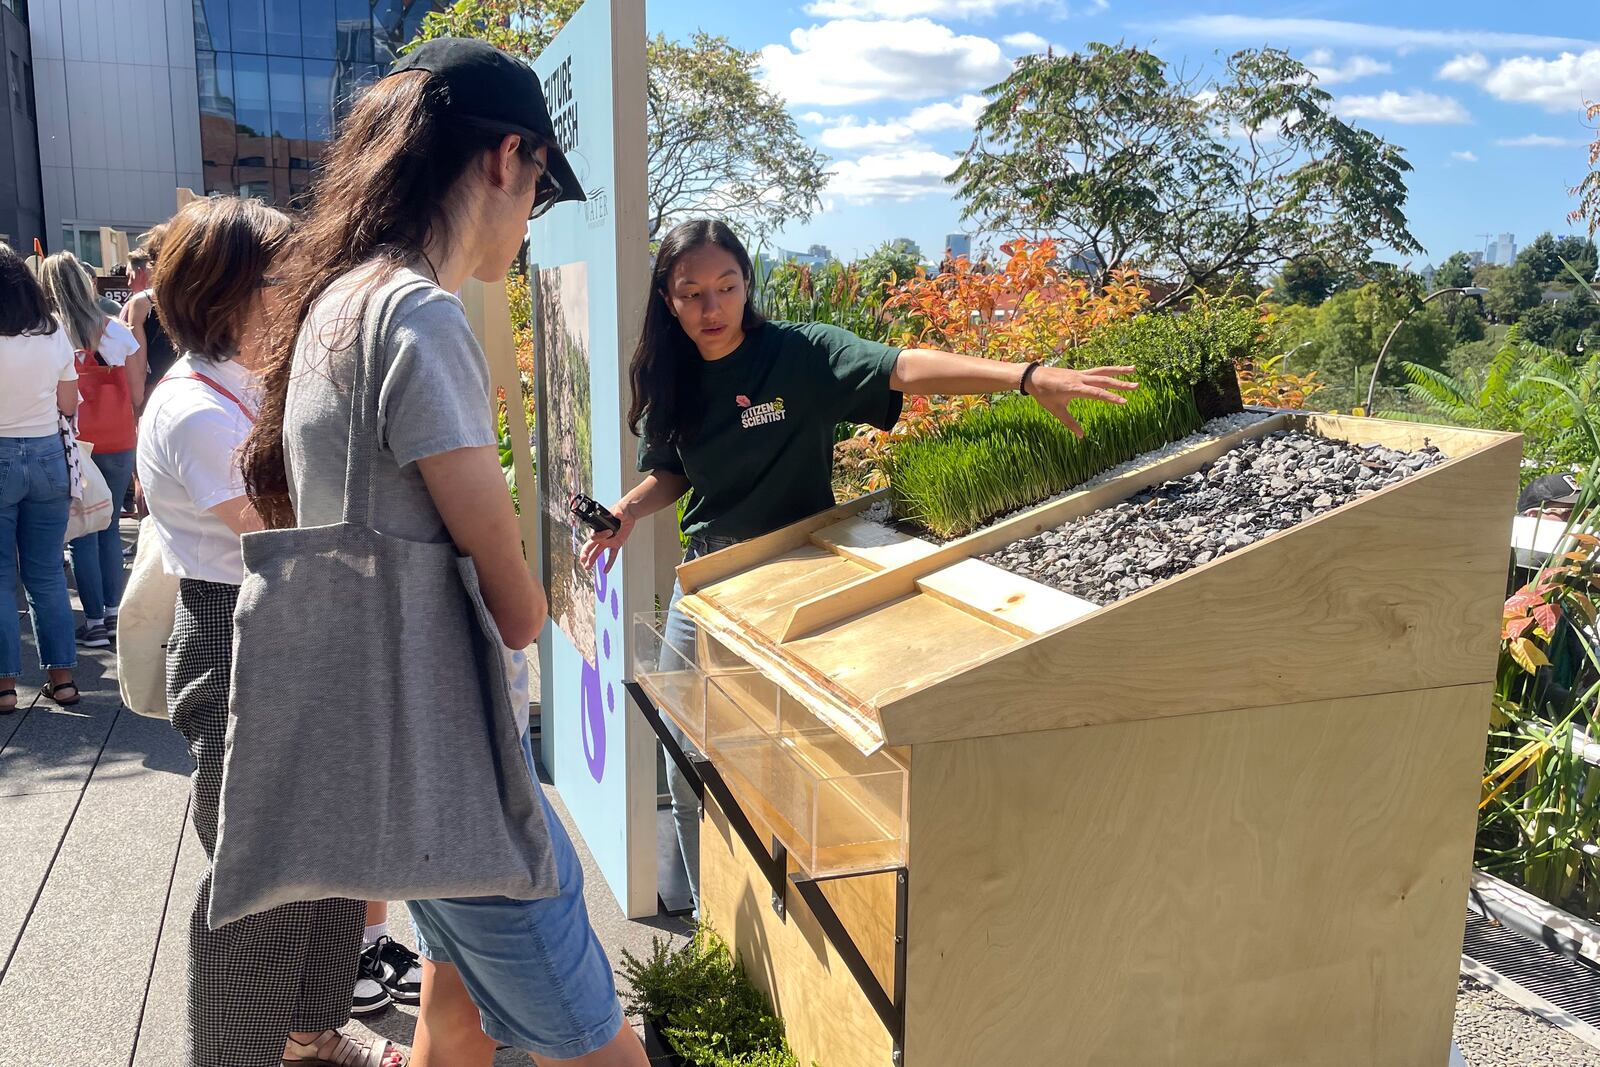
point(1485, 98)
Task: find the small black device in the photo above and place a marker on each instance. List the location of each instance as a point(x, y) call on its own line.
point(594, 515)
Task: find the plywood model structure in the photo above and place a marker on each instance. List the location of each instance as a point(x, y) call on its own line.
point(1227, 820)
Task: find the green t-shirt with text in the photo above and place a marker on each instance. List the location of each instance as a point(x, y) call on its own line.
point(763, 454)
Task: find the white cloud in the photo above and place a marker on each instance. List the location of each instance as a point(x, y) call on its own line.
point(902, 175)
point(817, 118)
point(1540, 140)
point(1413, 108)
point(1025, 41)
point(851, 136)
point(1325, 32)
point(1467, 68)
point(902, 9)
point(1560, 84)
point(1321, 63)
point(961, 115)
point(1465, 156)
point(849, 61)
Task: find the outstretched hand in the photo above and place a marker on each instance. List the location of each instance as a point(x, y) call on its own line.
point(1056, 387)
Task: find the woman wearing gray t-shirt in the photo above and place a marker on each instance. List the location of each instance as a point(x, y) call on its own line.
point(431, 181)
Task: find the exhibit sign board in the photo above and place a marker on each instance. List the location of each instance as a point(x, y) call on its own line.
point(589, 269)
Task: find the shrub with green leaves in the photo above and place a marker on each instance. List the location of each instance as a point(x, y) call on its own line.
point(1012, 453)
point(1198, 348)
point(709, 1011)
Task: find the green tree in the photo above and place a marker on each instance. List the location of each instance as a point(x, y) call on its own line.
point(1580, 253)
point(1307, 280)
point(1562, 324)
point(1464, 315)
point(1512, 291)
point(1341, 338)
point(1543, 258)
point(719, 142)
point(1194, 182)
point(1455, 272)
point(888, 260)
point(1588, 190)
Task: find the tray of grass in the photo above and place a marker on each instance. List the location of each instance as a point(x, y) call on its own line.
point(1012, 453)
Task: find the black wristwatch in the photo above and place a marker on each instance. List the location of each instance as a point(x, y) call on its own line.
point(1022, 386)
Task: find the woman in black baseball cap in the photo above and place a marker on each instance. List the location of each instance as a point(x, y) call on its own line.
point(431, 181)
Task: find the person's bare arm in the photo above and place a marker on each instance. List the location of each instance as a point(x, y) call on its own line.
point(469, 490)
point(240, 516)
point(137, 370)
point(67, 397)
point(133, 316)
point(925, 372)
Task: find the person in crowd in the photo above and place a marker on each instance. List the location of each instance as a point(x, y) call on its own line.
point(274, 987)
point(433, 177)
point(139, 314)
point(111, 385)
point(38, 384)
point(740, 413)
point(390, 972)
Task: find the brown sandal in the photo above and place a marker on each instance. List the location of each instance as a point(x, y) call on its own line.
point(53, 691)
point(335, 1048)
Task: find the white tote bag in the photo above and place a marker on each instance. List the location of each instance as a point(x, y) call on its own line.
point(92, 507)
point(144, 626)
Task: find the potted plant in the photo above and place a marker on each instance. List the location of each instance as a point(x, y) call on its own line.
point(700, 1009)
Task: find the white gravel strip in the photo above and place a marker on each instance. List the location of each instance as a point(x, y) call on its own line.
point(1493, 1031)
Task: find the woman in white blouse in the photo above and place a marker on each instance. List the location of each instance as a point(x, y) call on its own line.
point(110, 387)
point(38, 382)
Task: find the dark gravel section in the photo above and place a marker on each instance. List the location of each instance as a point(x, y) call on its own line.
point(1249, 493)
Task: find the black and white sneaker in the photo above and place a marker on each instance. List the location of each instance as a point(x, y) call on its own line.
point(400, 968)
point(93, 636)
point(370, 995)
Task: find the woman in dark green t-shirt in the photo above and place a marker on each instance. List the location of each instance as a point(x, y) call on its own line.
point(739, 413)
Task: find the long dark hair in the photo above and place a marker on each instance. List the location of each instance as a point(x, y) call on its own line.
point(23, 307)
point(384, 191)
point(664, 361)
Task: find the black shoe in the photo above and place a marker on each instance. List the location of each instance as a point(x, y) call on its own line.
point(111, 626)
point(401, 970)
point(370, 995)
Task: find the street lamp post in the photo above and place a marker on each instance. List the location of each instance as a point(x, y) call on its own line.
point(1372, 386)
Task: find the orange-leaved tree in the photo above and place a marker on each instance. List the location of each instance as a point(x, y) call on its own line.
point(1029, 308)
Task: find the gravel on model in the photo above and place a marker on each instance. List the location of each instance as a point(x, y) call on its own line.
point(1494, 1031)
point(1249, 493)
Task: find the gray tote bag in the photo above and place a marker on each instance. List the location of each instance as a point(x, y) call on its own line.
point(372, 748)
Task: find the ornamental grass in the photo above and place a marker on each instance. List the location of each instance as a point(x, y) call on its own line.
point(1012, 453)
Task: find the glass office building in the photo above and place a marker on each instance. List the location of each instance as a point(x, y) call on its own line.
point(275, 75)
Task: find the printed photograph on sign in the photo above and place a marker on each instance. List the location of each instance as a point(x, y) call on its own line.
point(565, 452)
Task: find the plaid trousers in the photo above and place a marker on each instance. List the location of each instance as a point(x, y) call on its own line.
point(290, 968)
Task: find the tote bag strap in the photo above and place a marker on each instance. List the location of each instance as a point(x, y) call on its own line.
point(360, 487)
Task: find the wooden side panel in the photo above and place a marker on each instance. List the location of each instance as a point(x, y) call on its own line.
point(1279, 885)
point(827, 1017)
point(1401, 590)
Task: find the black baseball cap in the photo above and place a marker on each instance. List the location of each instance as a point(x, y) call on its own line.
point(1548, 489)
point(493, 90)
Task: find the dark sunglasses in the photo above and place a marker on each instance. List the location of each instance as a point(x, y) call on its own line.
point(547, 191)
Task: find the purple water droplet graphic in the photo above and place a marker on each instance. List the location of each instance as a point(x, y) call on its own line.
point(616, 605)
point(593, 722)
point(605, 643)
point(611, 698)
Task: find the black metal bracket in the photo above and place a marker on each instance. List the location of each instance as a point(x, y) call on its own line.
point(889, 1004)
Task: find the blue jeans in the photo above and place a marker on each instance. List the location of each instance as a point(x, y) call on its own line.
point(34, 500)
point(535, 968)
point(97, 557)
point(679, 636)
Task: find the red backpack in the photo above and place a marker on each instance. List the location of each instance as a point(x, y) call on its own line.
point(105, 406)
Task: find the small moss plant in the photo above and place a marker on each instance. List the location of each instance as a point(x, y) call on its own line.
point(1011, 453)
point(708, 1010)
